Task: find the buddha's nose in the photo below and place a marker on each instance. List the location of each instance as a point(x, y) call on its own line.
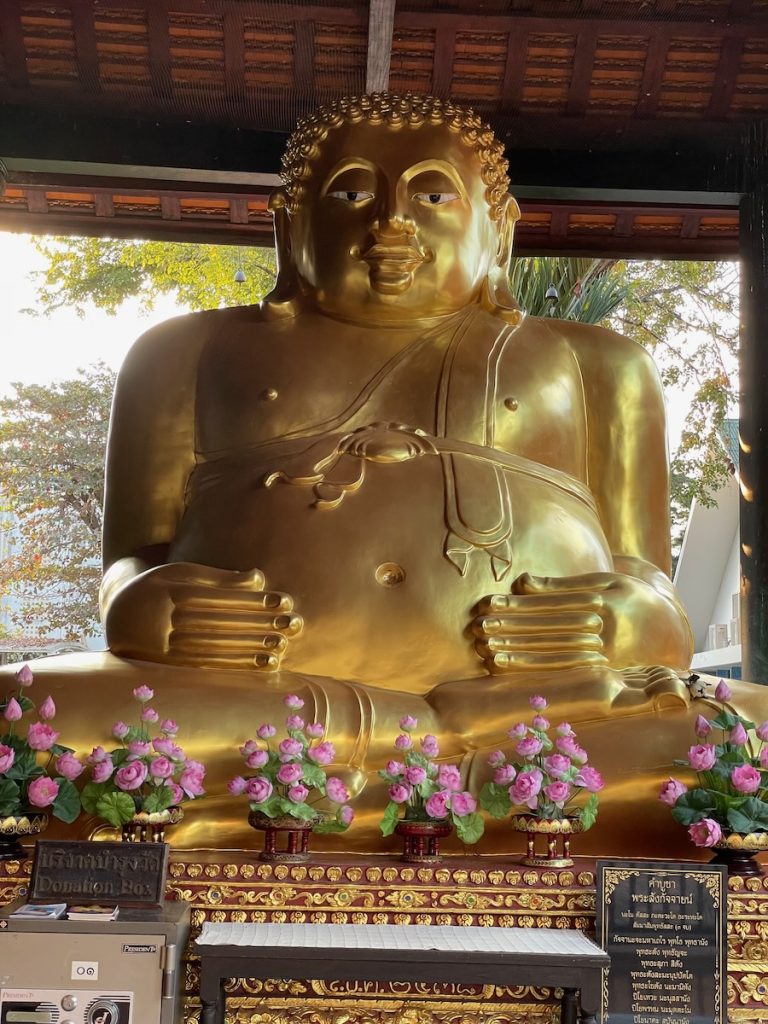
point(393, 225)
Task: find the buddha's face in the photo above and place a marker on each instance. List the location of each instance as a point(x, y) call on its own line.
point(393, 224)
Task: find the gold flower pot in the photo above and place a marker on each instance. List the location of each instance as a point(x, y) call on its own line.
point(296, 832)
point(421, 840)
point(737, 851)
point(553, 834)
point(150, 828)
point(15, 827)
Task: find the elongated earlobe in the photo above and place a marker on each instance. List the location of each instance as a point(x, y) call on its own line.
point(497, 297)
point(285, 298)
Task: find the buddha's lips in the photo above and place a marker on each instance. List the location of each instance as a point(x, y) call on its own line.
point(398, 259)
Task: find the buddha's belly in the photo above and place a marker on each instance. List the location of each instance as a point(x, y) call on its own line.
point(382, 603)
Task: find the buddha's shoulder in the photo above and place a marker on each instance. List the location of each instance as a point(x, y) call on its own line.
point(588, 342)
point(182, 339)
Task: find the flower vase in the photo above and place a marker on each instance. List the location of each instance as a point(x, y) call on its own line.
point(16, 826)
point(421, 839)
point(150, 828)
point(738, 850)
point(553, 834)
point(295, 830)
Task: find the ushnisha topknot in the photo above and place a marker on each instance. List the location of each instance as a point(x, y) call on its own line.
point(408, 110)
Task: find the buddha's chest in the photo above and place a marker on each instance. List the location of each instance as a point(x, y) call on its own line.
point(515, 396)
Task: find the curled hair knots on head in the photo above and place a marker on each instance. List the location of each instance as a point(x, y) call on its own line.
point(405, 111)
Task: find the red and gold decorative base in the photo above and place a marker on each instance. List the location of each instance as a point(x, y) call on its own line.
point(421, 840)
point(556, 835)
point(486, 891)
point(296, 834)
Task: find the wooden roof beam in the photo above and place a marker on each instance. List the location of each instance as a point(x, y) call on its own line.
point(381, 24)
point(84, 29)
point(12, 39)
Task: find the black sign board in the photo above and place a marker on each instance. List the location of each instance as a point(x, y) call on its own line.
point(128, 874)
point(663, 926)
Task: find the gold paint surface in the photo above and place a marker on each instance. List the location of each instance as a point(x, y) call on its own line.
point(513, 470)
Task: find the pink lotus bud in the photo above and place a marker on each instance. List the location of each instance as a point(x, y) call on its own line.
point(738, 735)
point(69, 766)
point(517, 731)
point(463, 804)
point(298, 794)
point(415, 775)
point(395, 768)
point(265, 732)
point(236, 786)
point(497, 758)
point(702, 757)
point(745, 778)
point(399, 792)
point(429, 746)
point(120, 730)
point(42, 792)
point(537, 703)
point(168, 727)
point(671, 790)
point(722, 692)
point(346, 815)
point(403, 742)
point(41, 736)
point(540, 723)
point(12, 711)
point(293, 702)
point(149, 715)
point(315, 731)
point(706, 832)
point(337, 791)
point(24, 676)
point(408, 723)
point(47, 709)
point(762, 731)
point(143, 694)
point(295, 723)
point(437, 805)
point(257, 759)
point(702, 727)
point(7, 757)
point(504, 774)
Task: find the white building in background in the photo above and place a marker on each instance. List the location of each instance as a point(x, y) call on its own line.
point(708, 573)
point(18, 645)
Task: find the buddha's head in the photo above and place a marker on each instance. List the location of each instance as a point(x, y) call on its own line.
point(395, 208)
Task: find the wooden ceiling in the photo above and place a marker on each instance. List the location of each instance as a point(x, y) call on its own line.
point(569, 84)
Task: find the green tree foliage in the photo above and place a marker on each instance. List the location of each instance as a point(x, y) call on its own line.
point(52, 441)
point(104, 272)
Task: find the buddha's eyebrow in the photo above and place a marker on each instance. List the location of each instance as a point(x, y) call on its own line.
point(439, 167)
point(355, 163)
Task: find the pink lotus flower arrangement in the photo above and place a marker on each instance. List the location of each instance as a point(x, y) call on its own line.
point(25, 784)
point(549, 777)
point(290, 773)
point(145, 773)
point(420, 789)
point(731, 794)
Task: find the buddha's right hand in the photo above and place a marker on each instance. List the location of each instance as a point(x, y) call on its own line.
point(188, 614)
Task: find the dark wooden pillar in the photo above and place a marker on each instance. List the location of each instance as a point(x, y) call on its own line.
point(753, 413)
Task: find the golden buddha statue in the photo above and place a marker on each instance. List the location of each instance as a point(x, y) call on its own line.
point(388, 490)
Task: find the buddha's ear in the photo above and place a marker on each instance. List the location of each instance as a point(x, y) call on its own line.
point(509, 217)
point(285, 298)
point(496, 296)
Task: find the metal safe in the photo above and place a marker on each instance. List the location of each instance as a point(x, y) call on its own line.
point(126, 971)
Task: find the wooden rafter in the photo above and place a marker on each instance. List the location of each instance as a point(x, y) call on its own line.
point(381, 23)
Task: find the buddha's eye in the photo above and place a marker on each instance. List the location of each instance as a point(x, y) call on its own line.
point(435, 198)
point(355, 197)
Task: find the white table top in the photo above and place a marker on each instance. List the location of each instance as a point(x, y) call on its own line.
point(563, 942)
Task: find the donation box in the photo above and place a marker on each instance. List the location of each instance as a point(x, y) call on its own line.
point(126, 971)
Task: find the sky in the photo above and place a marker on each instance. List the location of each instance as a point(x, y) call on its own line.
point(40, 349)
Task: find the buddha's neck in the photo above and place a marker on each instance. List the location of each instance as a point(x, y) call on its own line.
point(411, 325)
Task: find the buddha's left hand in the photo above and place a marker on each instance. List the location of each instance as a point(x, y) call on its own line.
point(594, 619)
